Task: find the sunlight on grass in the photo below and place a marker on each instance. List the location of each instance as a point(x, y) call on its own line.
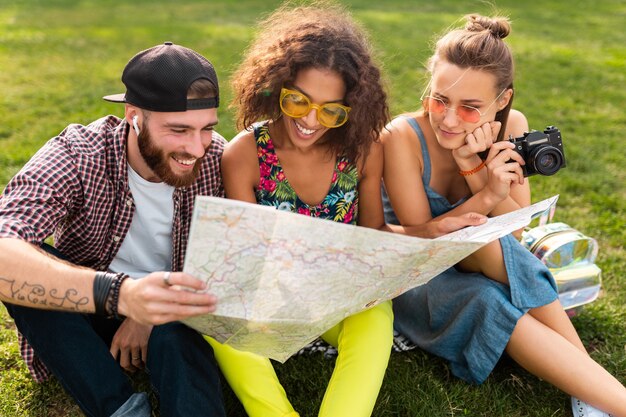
point(59, 57)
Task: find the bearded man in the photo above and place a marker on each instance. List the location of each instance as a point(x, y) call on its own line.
point(117, 196)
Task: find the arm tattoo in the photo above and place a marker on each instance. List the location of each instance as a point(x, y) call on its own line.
point(36, 295)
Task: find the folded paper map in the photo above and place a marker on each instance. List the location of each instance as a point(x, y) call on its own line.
point(283, 279)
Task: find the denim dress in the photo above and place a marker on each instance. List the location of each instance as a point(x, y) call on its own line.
point(467, 318)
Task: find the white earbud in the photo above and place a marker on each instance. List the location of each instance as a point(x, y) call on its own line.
point(135, 124)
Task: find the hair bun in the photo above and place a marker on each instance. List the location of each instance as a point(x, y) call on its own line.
point(499, 27)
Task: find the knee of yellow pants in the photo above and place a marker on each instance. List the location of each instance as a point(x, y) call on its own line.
point(363, 343)
point(254, 381)
point(375, 324)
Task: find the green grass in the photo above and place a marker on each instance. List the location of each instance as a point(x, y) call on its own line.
point(58, 57)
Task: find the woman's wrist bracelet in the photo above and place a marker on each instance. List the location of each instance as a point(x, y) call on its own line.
point(473, 170)
point(106, 293)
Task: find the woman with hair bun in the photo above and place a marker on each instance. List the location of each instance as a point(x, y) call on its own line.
point(447, 159)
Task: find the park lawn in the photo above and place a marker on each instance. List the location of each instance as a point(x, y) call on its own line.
point(58, 57)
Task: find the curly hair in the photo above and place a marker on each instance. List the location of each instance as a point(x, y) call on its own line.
point(480, 45)
point(323, 36)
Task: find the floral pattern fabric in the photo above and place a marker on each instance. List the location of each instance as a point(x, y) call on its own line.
point(339, 205)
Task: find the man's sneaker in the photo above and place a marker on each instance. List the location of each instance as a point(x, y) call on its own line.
point(582, 409)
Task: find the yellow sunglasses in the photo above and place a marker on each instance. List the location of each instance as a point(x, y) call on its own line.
point(295, 104)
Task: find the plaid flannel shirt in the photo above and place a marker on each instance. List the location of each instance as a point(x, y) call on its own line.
point(76, 189)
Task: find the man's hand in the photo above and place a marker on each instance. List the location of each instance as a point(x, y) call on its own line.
point(130, 345)
point(156, 300)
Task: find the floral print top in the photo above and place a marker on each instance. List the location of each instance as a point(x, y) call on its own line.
point(339, 205)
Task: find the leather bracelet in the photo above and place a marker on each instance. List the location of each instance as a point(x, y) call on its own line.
point(101, 288)
point(106, 293)
point(474, 170)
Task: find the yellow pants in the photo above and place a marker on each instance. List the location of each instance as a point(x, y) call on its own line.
point(363, 343)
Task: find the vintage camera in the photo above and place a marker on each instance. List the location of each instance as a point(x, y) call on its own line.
point(542, 151)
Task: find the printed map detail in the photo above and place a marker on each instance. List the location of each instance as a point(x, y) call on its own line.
point(283, 279)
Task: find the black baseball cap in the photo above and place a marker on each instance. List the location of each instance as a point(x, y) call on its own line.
point(158, 79)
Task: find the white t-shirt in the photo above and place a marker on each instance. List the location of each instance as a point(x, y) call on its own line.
point(148, 245)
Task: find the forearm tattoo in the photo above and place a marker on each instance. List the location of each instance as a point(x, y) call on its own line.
point(36, 295)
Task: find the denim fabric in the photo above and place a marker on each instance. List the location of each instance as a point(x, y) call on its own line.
point(75, 347)
point(77, 355)
point(466, 318)
point(183, 372)
point(138, 405)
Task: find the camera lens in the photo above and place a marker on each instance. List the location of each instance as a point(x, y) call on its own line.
point(547, 160)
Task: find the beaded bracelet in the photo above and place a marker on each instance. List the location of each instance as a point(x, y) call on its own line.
point(474, 170)
point(115, 298)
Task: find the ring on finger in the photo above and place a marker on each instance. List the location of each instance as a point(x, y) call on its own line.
point(166, 278)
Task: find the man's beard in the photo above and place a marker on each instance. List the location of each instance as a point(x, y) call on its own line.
point(159, 162)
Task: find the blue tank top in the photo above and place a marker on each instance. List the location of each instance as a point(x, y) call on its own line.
point(438, 203)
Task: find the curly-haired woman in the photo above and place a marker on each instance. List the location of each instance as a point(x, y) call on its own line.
point(309, 78)
point(313, 104)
